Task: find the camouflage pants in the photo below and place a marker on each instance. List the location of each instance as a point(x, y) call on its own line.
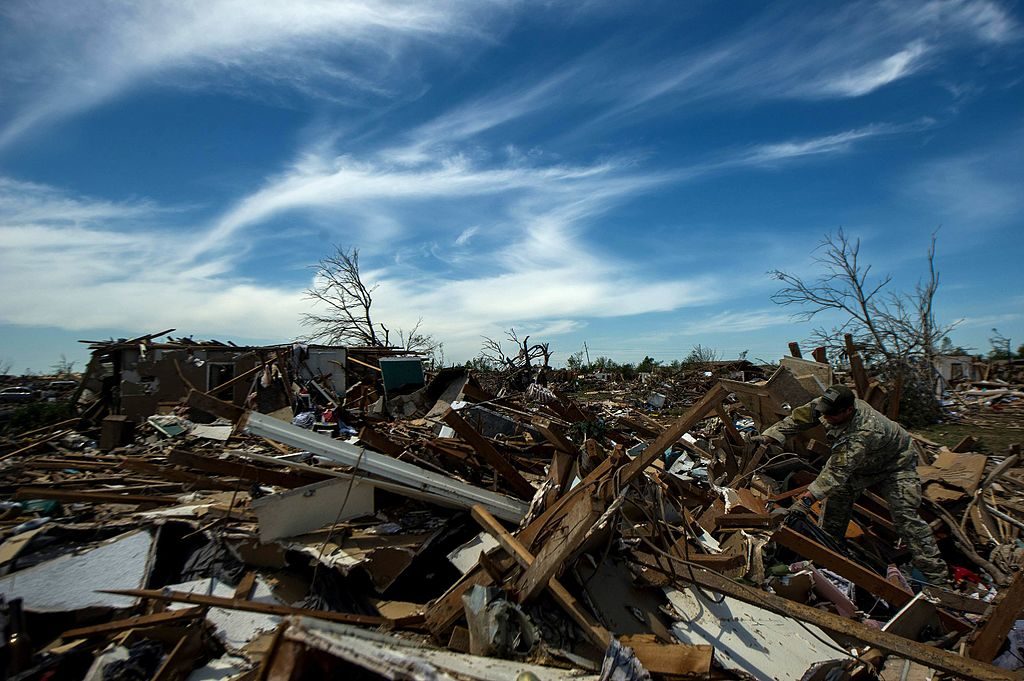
point(902, 490)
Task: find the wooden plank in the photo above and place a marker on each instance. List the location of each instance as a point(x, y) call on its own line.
point(186, 655)
point(956, 601)
point(442, 614)
point(719, 562)
point(176, 475)
point(517, 483)
point(251, 606)
point(237, 469)
point(380, 442)
point(445, 611)
point(826, 558)
point(559, 546)
point(597, 634)
point(670, 659)
point(559, 472)
point(32, 445)
point(730, 428)
point(936, 658)
point(660, 444)
point(990, 638)
point(747, 521)
point(211, 405)
point(860, 375)
point(72, 496)
point(553, 434)
point(138, 622)
point(859, 575)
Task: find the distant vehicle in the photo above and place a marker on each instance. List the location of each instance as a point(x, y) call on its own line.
point(17, 394)
point(62, 386)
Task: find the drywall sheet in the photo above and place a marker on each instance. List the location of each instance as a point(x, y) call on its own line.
point(750, 639)
point(71, 582)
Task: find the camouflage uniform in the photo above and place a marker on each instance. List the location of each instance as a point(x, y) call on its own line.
point(867, 450)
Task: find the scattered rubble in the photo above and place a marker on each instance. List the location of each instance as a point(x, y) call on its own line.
point(216, 512)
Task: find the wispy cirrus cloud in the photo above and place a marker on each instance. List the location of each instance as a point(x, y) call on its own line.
point(835, 143)
point(870, 77)
point(63, 57)
point(729, 321)
point(826, 53)
point(79, 263)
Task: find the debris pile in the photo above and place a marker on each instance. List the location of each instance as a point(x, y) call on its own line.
point(281, 513)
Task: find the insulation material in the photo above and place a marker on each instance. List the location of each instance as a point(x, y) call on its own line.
point(466, 556)
point(234, 627)
point(747, 638)
point(73, 581)
point(396, 658)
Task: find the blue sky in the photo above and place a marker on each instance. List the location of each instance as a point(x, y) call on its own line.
point(618, 173)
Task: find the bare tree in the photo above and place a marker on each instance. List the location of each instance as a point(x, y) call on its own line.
point(346, 305)
point(1000, 346)
point(414, 340)
point(339, 288)
point(886, 325)
point(63, 368)
point(895, 331)
point(700, 356)
point(518, 367)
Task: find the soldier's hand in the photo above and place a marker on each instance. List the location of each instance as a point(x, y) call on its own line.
point(803, 503)
point(758, 440)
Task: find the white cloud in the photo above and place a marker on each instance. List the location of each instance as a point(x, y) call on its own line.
point(466, 235)
point(870, 77)
point(728, 321)
point(63, 57)
point(801, 51)
point(78, 263)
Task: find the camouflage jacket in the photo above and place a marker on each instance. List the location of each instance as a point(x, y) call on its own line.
point(867, 444)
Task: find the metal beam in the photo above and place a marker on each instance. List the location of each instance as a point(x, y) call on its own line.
point(409, 475)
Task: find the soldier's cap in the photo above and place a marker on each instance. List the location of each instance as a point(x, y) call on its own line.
point(838, 398)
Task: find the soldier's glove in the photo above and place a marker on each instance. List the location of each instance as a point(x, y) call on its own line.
point(758, 440)
point(803, 504)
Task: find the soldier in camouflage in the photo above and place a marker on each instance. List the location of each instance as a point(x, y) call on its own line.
point(867, 450)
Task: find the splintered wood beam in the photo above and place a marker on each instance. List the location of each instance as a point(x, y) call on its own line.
point(211, 405)
point(732, 434)
point(377, 440)
point(860, 376)
point(675, 431)
point(289, 479)
point(252, 606)
point(597, 634)
point(718, 562)
point(670, 659)
point(139, 622)
point(871, 582)
point(756, 521)
point(936, 658)
point(990, 638)
point(558, 547)
point(554, 435)
point(72, 496)
point(517, 483)
point(445, 611)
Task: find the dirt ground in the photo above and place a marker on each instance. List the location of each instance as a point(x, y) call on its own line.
point(993, 439)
